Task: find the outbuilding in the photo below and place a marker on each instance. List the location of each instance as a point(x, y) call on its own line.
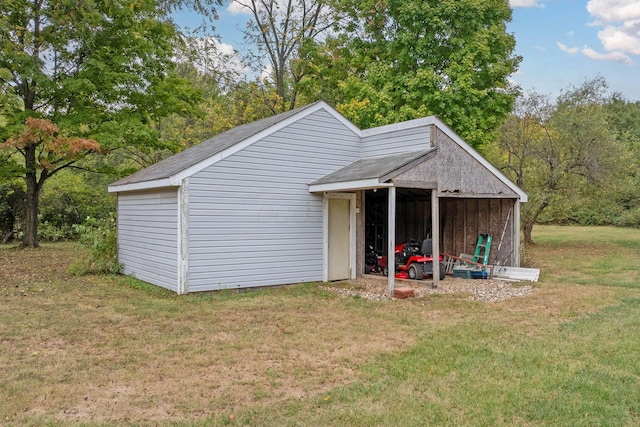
point(301, 196)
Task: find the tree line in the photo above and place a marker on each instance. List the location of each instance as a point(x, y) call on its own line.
point(92, 92)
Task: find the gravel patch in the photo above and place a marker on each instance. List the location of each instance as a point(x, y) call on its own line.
point(376, 288)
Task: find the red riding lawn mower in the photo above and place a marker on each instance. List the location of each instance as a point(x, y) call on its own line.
point(413, 261)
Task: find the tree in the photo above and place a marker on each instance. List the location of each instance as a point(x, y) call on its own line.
point(11, 207)
point(281, 31)
point(46, 152)
point(623, 119)
point(86, 72)
point(555, 150)
point(395, 60)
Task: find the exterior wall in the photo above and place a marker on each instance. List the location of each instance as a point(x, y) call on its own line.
point(148, 236)
point(462, 220)
point(252, 220)
point(400, 141)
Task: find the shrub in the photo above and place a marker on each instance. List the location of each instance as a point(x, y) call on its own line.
point(629, 218)
point(98, 238)
point(54, 233)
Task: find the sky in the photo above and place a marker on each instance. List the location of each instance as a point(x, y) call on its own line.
point(562, 42)
point(565, 42)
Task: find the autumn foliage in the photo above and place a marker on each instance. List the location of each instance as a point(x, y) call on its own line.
point(55, 149)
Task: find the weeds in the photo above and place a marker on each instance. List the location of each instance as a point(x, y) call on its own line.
point(99, 237)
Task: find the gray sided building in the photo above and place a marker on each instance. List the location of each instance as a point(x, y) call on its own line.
point(298, 197)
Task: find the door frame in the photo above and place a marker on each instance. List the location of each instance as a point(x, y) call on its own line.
point(352, 233)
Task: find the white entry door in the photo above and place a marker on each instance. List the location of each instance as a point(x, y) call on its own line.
point(339, 242)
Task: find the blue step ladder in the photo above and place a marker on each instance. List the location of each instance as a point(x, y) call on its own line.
point(483, 247)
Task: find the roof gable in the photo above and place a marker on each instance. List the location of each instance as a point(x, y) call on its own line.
point(372, 171)
point(172, 170)
point(444, 132)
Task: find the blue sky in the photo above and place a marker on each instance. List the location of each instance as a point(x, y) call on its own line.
point(562, 42)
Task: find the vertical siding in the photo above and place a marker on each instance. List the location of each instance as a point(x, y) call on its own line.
point(465, 219)
point(396, 142)
point(148, 236)
point(252, 220)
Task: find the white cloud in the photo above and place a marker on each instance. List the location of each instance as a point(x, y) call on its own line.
point(208, 54)
point(236, 8)
point(621, 39)
point(620, 33)
point(525, 3)
point(590, 53)
point(614, 10)
point(569, 50)
point(267, 73)
point(610, 56)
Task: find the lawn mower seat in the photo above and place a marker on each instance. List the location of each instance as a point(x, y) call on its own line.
point(426, 248)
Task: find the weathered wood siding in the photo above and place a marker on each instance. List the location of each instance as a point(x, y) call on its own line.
point(396, 142)
point(148, 236)
point(456, 173)
point(460, 173)
point(462, 220)
point(252, 220)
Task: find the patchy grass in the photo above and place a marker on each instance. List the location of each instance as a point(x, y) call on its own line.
point(99, 350)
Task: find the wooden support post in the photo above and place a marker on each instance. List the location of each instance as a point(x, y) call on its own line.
point(515, 261)
point(391, 240)
point(435, 236)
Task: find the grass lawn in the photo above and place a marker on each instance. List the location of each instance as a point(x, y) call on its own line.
point(98, 350)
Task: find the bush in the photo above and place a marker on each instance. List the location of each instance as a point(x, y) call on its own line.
point(629, 218)
point(70, 199)
point(98, 238)
point(54, 233)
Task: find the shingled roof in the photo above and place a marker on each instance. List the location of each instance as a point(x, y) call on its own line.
point(212, 146)
point(374, 167)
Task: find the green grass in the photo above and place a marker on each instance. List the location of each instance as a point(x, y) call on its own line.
point(487, 374)
point(102, 350)
point(589, 255)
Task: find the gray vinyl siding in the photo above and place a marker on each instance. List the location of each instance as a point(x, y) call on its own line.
point(400, 141)
point(148, 236)
point(252, 220)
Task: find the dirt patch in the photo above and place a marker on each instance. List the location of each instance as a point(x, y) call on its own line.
point(25, 270)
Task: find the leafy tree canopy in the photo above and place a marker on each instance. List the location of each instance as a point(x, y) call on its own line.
point(394, 60)
point(560, 151)
point(97, 71)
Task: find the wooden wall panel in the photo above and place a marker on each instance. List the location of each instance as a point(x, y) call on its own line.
point(464, 219)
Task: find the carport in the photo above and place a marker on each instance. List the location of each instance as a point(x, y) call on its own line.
point(448, 192)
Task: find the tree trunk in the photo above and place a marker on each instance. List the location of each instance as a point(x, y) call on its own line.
point(30, 238)
point(527, 229)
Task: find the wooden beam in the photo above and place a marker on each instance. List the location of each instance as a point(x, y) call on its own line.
point(415, 184)
point(435, 237)
point(477, 195)
point(515, 261)
point(391, 240)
